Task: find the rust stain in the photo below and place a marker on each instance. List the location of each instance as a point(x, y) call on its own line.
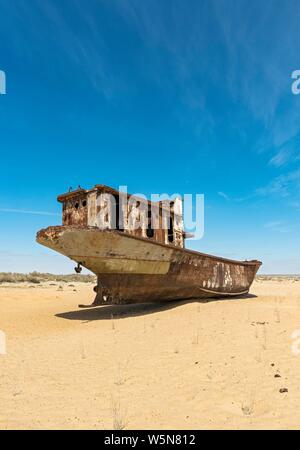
point(135, 261)
point(84, 207)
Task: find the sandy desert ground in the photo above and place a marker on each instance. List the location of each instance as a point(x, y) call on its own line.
point(217, 364)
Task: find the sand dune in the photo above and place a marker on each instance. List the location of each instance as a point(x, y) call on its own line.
point(216, 364)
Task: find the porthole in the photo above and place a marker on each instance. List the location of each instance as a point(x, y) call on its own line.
point(150, 232)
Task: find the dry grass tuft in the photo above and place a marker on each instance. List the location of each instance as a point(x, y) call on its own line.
point(119, 420)
point(278, 278)
point(37, 277)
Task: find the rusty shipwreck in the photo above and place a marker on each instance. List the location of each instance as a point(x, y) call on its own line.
point(140, 264)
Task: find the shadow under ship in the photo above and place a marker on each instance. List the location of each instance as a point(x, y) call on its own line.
point(140, 264)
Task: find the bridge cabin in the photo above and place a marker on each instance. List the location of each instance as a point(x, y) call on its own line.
point(106, 208)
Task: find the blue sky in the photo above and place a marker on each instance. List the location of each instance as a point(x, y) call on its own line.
point(161, 96)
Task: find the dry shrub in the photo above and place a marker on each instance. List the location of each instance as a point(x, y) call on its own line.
point(37, 277)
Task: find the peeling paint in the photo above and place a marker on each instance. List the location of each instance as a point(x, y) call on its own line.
point(132, 263)
point(105, 212)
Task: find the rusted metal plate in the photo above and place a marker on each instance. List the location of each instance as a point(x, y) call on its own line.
point(75, 211)
point(92, 208)
point(136, 248)
point(132, 269)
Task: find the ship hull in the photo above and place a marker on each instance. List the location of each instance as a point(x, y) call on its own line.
point(135, 270)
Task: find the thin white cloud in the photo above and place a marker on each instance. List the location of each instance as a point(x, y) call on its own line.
point(283, 185)
point(281, 158)
point(278, 225)
point(85, 50)
point(259, 73)
point(272, 224)
point(26, 211)
point(222, 194)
